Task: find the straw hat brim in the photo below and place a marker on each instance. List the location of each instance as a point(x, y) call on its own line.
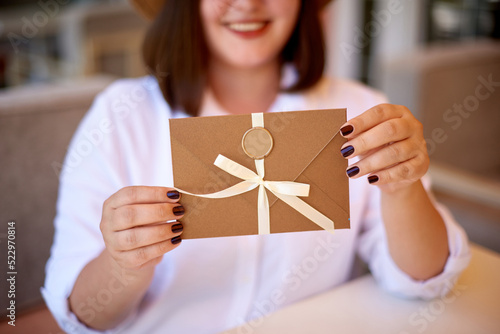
point(150, 8)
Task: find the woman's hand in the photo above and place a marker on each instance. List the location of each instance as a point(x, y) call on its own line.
point(390, 144)
point(134, 225)
point(136, 233)
point(389, 141)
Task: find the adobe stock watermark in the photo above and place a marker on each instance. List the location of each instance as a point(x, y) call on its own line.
point(425, 315)
point(291, 280)
point(32, 25)
point(381, 19)
point(454, 116)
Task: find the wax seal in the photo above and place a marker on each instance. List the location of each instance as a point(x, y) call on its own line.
point(257, 143)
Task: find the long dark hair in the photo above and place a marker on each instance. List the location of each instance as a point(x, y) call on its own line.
point(176, 53)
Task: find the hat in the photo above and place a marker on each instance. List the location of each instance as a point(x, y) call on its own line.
point(150, 8)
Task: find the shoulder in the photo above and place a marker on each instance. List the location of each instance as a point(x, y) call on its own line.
point(125, 111)
point(139, 97)
point(129, 85)
point(127, 124)
point(136, 92)
point(353, 88)
point(357, 97)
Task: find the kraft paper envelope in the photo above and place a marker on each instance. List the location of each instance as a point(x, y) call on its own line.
point(306, 149)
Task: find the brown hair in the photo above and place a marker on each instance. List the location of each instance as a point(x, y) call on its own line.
point(175, 52)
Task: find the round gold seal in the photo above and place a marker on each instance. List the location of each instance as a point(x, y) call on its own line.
point(257, 143)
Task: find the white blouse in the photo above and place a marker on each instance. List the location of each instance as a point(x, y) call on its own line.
point(211, 285)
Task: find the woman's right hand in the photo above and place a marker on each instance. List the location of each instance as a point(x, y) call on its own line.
point(134, 225)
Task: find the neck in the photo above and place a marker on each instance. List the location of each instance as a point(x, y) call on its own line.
point(244, 91)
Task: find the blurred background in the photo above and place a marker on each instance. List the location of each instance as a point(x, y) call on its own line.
point(440, 58)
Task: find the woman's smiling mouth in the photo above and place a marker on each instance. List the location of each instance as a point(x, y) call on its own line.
point(248, 29)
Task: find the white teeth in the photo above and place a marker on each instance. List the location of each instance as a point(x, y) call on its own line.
point(246, 26)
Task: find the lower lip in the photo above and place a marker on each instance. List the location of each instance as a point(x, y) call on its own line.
point(251, 34)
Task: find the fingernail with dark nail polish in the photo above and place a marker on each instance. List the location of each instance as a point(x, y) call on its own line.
point(177, 228)
point(353, 171)
point(346, 130)
point(176, 240)
point(372, 179)
point(347, 151)
point(174, 194)
point(178, 210)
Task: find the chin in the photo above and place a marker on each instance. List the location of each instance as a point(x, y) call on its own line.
point(246, 61)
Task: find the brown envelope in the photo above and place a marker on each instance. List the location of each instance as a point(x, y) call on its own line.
point(306, 149)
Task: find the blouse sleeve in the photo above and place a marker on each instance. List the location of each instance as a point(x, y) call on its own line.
point(86, 180)
point(373, 248)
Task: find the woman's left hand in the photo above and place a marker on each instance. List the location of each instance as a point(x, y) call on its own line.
point(390, 144)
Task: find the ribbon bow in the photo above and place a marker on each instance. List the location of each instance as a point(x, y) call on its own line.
point(287, 191)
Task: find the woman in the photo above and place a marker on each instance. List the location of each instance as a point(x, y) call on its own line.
point(219, 57)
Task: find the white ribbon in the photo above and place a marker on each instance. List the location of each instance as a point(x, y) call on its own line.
point(287, 191)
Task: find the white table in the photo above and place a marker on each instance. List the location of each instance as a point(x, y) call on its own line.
point(360, 306)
